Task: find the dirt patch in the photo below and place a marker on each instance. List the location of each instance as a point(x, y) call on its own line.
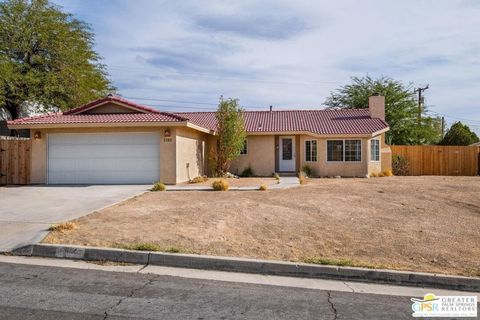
point(427, 224)
point(240, 182)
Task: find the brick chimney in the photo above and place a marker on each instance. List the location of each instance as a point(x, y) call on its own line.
point(376, 106)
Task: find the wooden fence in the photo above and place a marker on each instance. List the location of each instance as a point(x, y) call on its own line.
point(15, 157)
point(440, 160)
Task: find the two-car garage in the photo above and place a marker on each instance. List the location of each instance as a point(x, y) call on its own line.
point(103, 158)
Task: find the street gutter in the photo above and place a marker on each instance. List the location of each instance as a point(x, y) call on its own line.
point(255, 266)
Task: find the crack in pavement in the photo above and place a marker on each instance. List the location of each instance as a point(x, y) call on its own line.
point(329, 299)
point(349, 287)
point(131, 294)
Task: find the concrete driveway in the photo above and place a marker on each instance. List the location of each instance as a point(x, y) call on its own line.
point(27, 212)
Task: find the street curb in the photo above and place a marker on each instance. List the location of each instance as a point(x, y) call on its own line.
point(265, 267)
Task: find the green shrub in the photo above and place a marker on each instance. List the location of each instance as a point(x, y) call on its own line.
point(308, 171)
point(158, 187)
point(247, 172)
point(199, 179)
point(400, 165)
point(220, 185)
point(143, 246)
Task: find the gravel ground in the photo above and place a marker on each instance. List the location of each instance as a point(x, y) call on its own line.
point(424, 223)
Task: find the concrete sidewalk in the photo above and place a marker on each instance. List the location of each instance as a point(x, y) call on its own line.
point(284, 183)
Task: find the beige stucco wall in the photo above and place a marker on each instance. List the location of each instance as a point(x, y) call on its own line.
point(190, 154)
point(260, 156)
point(167, 151)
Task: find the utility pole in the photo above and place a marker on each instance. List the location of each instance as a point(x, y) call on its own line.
point(420, 101)
point(443, 127)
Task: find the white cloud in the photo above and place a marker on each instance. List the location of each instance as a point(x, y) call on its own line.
point(288, 53)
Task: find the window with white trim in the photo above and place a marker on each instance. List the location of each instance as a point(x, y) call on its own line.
point(334, 150)
point(374, 150)
point(311, 150)
point(353, 150)
point(344, 150)
point(245, 147)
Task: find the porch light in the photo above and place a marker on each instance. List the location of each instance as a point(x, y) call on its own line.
point(37, 135)
point(167, 133)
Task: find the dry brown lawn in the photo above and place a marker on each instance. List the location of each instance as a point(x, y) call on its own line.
point(427, 224)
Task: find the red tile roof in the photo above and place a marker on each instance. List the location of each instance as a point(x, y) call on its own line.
point(323, 122)
point(59, 118)
point(113, 99)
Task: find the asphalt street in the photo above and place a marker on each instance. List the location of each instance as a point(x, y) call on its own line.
point(47, 292)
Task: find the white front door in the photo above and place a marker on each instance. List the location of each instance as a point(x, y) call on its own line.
point(104, 158)
point(287, 154)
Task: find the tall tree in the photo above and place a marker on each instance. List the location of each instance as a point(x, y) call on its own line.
point(401, 109)
point(47, 60)
point(231, 134)
point(459, 134)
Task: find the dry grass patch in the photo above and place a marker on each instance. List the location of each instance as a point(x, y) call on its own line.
point(220, 185)
point(63, 227)
point(148, 246)
point(263, 187)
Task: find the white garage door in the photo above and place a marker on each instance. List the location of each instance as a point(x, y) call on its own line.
point(103, 158)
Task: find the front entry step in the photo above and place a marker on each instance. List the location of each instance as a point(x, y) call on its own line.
point(287, 174)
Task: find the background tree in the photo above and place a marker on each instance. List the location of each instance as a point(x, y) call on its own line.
point(47, 61)
point(459, 135)
point(231, 135)
point(401, 109)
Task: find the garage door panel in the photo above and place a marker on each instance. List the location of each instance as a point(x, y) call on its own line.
point(102, 151)
point(103, 158)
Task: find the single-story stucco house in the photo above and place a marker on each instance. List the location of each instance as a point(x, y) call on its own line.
point(116, 141)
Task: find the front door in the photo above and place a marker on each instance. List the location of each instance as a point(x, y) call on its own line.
point(287, 154)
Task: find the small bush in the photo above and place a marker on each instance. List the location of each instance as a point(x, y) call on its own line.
point(220, 185)
point(400, 165)
point(340, 262)
point(199, 179)
point(302, 177)
point(247, 172)
point(308, 171)
point(373, 175)
point(62, 227)
point(388, 173)
point(276, 176)
point(380, 175)
point(158, 187)
point(148, 246)
point(263, 187)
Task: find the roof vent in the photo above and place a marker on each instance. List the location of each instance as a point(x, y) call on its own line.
point(271, 107)
point(259, 125)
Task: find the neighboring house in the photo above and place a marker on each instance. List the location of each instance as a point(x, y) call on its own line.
point(476, 144)
point(115, 141)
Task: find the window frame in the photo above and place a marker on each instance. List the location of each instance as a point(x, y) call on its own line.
point(311, 154)
point(378, 149)
point(343, 151)
point(245, 147)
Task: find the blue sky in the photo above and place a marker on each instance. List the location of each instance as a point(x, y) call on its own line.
point(289, 54)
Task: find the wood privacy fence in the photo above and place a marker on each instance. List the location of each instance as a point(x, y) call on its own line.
point(440, 160)
point(15, 157)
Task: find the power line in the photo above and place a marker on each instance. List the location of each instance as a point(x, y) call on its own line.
point(210, 76)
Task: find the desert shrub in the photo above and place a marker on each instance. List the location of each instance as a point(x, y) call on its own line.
point(276, 176)
point(308, 170)
point(388, 173)
point(62, 227)
point(302, 177)
point(380, 175)
point(158, 187)
point(220, 185)
point(247, 172)
point(373, 175)
point(263, 187)
point(400, 165)
point(199, 179)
